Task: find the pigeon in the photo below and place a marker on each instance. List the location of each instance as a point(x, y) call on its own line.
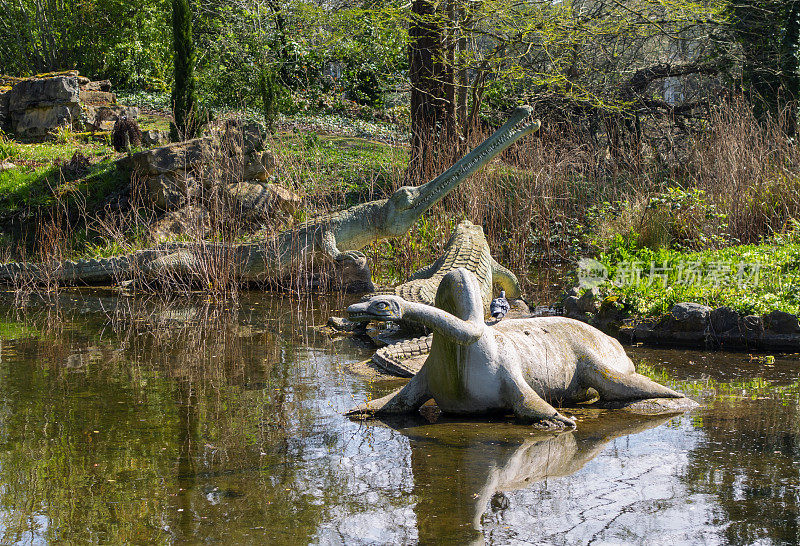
point(499, 306)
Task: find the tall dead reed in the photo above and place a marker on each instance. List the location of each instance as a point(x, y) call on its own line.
point(749, 169)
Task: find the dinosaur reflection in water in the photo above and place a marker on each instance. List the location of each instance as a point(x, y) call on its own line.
point(484, 460)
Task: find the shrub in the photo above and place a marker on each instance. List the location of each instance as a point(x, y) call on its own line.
point(125, 134)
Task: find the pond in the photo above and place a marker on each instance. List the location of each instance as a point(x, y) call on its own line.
point(123, 420)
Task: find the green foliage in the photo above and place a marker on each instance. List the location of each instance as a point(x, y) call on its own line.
point(675, 218)
point(768, 32)
point(750, 278)
point(63, 134)
point(101, 38)
point(43, 187)
point(331, 164)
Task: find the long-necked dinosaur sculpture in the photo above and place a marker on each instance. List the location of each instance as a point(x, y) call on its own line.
point(338, 236)
point(522, 365)
point(467, 248)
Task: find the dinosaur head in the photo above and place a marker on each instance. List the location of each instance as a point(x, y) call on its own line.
point(377, 308)
point(408, 203)
point(459, 294)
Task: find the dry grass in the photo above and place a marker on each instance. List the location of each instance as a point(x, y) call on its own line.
point(550, 198)
point(738, 181)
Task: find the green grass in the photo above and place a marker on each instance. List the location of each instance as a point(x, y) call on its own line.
point(47, 152)
point(42, 187)
point(752, 279)
point(149, 122)
point(327, 163)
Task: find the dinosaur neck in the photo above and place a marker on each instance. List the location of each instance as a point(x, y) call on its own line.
point(463, 332)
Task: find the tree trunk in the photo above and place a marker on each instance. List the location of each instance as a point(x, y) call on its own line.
point(184, 92)
point(432, 115)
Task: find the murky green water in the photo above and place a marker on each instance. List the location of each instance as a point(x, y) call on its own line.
point(125, 421)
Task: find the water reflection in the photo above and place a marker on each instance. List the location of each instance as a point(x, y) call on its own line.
point(461, 469)
point(133, 421)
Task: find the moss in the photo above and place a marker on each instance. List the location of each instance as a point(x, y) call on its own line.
point(57, 73)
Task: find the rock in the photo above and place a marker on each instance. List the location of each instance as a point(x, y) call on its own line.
point(180, 156)
point(37, 106)
point(570, 304)
point(260, 200)
point(781, 322)
point(753, 327)
point(610, 315)
point(650, 406)
point(724, 320)
point(574, 291)
point(259, 165)
point(353, 276)
point(42, 92)
point(153, 137)
point(102, 118)
point(589, 302)
point(6, 166)
point(191, 221)
point(170, 190)
point(97, 98)
point(244, 137)
point(100, 85)
point(572, 309)
point(35, 123)
point(688, 317)
point(519, 309)
point(4, 117)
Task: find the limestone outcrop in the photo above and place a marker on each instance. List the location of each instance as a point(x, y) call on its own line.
point(32, 108)
point(232, 160)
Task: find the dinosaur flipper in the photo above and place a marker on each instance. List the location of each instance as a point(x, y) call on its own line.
point(530, 407)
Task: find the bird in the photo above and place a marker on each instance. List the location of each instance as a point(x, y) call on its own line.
point(499, 306)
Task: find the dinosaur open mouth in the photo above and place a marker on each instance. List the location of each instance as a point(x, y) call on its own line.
point(361, 317)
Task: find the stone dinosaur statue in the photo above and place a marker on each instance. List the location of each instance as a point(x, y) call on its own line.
point(467, 248)
point(515, 365)
point(338, 236)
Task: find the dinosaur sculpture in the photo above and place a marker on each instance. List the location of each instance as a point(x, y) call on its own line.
point(338, 236)
point(516, 365)
point(467, 248)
